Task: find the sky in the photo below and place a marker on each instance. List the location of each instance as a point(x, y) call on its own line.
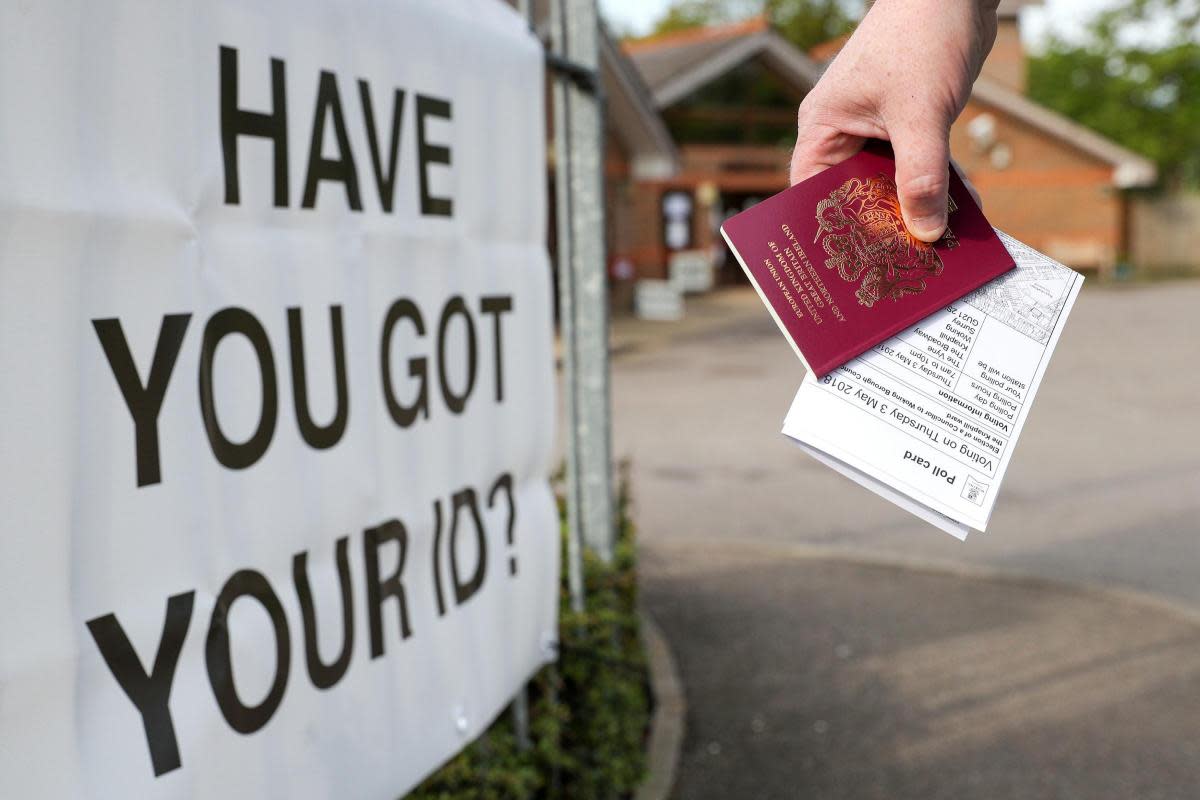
point(1064, 17)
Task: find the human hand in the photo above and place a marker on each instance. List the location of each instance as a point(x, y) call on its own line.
point(904, 76)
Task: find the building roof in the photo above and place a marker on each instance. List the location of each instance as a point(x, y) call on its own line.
point(687, 36)
point(631, 111)
point(824, 52)
point(677, 64)
point(1129, 169)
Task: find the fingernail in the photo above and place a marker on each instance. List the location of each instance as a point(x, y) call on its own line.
point(928, 229)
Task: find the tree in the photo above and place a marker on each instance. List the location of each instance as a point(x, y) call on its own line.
point(1141, 90)
point(805, 22)
point(683, 15)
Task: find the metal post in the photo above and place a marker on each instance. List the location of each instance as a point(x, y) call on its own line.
point(566, 308)
point(520, 719)
point(583, 288)
point(583, 301)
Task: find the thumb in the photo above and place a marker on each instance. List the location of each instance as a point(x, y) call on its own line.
point(922, 177)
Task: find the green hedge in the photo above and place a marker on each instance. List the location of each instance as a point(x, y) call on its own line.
point(588, 713)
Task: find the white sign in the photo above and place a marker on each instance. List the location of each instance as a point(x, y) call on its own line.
point(691, 271)
point(658, 300)
point(276, 382)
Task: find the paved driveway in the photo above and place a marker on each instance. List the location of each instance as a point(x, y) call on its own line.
point(832, 646)
point(1104, 487)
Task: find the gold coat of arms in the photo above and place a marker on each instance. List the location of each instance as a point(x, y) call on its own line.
point(863, 233)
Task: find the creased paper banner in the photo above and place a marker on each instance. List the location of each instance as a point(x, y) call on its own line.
point(275, 337)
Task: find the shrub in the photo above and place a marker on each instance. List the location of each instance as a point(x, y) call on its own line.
point(588, 712)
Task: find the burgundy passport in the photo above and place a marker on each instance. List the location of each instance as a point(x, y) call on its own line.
point(837, 268)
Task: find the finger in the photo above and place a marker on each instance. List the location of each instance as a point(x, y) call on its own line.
point(922, 176)
point(819, 147)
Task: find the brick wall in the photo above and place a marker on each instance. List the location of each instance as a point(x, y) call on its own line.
point(1056, 198)
point(1166, 233)
point(1036, 187)
point(1048, 194)
point(633, 217)
point(1006, 63)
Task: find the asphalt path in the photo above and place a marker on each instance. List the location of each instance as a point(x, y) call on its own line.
point(833, 646)
point(1103, 489)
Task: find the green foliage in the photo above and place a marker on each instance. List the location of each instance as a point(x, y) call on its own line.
point(1144, 95)
point(805, 22)
point(683, 15)
point(588, 713)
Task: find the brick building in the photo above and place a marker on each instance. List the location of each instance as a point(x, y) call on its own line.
point(728, 97)
point(639, 150)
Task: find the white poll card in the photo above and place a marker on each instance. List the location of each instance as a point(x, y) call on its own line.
point(929, 419)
